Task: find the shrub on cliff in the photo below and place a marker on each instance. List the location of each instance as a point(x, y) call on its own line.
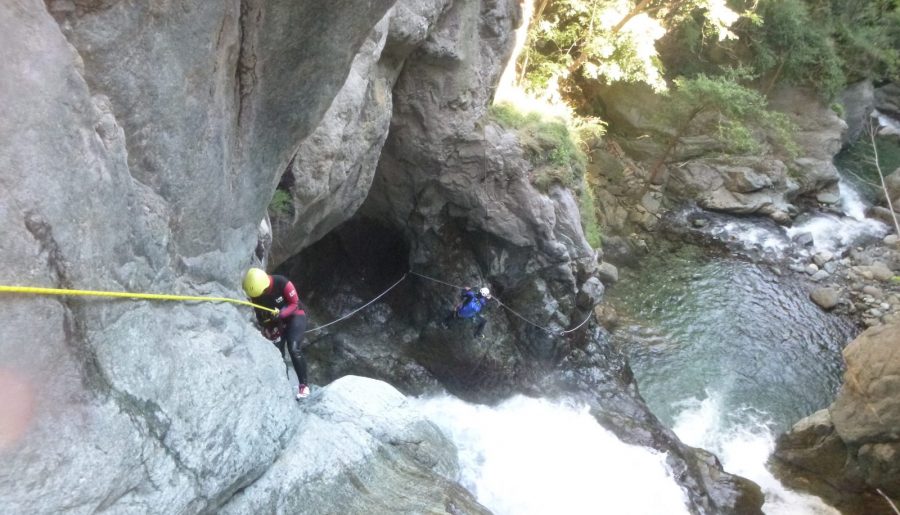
point(553, 144)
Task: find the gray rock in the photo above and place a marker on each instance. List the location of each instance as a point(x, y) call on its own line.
point(830, 195)
point(804, 239)
point(820, 276)
point(381, 455)
point(826, 297)
point(590, 294)
point(700, 222)
point(608, 273)
point(811, 268)
point(892, 240)
point(874, 291)
point(822, 257)
point(881, 214)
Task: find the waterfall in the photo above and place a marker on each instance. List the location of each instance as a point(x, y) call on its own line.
point(532, 456)
point(832, 232)
point(743, 449)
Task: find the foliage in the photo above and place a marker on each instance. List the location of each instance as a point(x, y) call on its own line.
point(281, 203)
point(866, 34)
point(587, 207)
point(610, 40)
point(739, 114)
point(822, 44)
point(555, 147)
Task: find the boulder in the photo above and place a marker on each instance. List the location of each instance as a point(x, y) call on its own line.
point(827, 298)
point(867, 408)
point(608, 273)
point(846, 452)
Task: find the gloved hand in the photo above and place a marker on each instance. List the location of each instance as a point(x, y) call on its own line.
point(276, 313)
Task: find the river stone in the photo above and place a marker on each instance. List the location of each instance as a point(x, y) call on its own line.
point(804, 239)
point(874, 291)
point(811, 268)
point(820, 275)
point(882, 214)
point(608, 272)
point(892, 240)
point(822, 257)
point(826, 297)
point(830, 195)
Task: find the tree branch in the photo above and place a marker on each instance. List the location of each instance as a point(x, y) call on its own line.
point(884, 187)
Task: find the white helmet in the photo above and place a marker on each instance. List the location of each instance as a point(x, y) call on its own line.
point(486, 293)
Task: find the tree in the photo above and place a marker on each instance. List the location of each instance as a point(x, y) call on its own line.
point(612, 40)
point(734, 110)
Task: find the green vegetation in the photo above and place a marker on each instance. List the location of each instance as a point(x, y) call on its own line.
point(554, 147)
point(281, 203)
point(609, 40)
point(733, 110)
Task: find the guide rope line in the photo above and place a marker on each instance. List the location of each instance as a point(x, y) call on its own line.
point(514, 312)
point(124, 295)
point(357, 310)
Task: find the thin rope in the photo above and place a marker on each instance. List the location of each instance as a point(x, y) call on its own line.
point(438, 280)
point(514, 312)
point(357, 310)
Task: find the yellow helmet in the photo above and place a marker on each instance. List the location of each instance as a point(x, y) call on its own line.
point(256, 281)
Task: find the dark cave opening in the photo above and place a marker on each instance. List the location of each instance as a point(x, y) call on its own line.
point(350, 265)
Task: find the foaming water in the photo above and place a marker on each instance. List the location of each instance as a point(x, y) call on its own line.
point(743, 444)
point(728, 355)
point(832, 232)
point(531, 456)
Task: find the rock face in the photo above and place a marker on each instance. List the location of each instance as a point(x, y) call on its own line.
point(167, 124)
point(360, 449)
point(330, 175)
point(768, 185)
point(847, 452)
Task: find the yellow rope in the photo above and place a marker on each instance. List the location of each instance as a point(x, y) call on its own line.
point(125, 295)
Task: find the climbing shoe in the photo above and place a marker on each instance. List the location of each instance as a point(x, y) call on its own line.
point(302, 392)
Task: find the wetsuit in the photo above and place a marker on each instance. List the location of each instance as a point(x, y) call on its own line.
point(470, 307)
point(290, 323)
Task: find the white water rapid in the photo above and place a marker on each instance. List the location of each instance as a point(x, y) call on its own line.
point(743, 449)
point(830, 231)
point(531, 456)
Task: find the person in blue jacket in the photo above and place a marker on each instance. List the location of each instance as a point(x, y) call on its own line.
point(469, 308)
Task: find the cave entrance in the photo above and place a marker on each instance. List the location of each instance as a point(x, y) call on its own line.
point(358, 260)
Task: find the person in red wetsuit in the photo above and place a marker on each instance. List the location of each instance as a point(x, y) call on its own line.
point(285, 327)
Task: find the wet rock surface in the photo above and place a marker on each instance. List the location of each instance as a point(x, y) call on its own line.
point(848, 451)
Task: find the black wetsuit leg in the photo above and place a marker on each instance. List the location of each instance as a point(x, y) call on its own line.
point(480, 321)
point(294, 331)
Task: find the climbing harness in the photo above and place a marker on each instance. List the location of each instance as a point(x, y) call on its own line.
point(125, 295)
